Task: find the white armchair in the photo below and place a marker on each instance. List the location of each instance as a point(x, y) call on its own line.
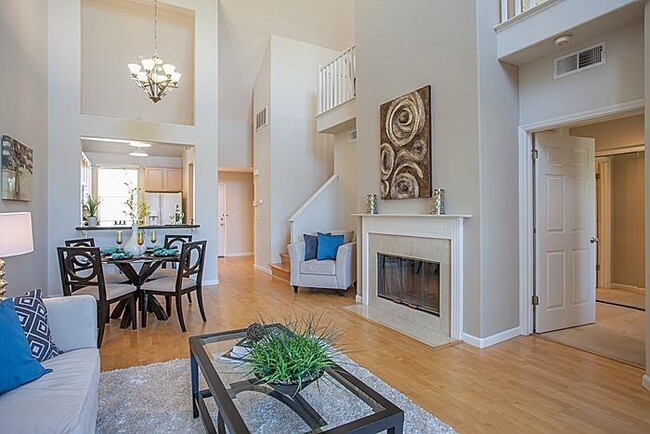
point(337, 274)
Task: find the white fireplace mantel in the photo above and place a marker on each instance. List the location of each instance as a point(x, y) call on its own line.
point(445, 226)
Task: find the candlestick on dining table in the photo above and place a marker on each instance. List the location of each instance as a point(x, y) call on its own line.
point(153, 236)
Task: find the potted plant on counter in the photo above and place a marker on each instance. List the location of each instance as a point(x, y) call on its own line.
point(290, 358)
point(91, 207)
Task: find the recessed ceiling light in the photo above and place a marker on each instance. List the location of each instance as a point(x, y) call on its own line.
point(138, 154)
point(563, 40)
point(140, 144)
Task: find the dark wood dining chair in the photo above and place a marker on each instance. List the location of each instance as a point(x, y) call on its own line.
point(90, 242)
point(172, 241)
point(188, 278)
point(82, 273)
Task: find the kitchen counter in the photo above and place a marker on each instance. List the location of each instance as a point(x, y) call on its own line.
point(128, 228)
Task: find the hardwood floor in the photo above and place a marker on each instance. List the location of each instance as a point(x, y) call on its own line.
point(526, 384)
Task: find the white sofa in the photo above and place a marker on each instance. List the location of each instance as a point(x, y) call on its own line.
point(65, 400)
point(337, 274)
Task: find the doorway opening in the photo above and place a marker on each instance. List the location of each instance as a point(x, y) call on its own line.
point(235, 212)
point(589, 237)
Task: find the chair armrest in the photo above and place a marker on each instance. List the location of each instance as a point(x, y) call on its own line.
point(73, 321)
point(296, 256)
point(346, 262)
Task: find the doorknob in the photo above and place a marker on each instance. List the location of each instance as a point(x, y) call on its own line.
point(593, 240)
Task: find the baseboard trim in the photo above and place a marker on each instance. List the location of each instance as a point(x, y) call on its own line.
point(239, 255)
point(646, 381)
point(211, 282)
point(262, 269)
point(491, 340)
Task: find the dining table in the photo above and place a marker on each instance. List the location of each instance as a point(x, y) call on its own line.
point(149, 263)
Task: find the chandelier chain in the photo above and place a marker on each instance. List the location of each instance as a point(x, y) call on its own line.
point(155, 27)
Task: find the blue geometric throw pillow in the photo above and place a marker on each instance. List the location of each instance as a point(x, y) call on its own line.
point(32, 314)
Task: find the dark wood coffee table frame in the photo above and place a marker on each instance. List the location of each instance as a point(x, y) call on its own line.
point(387, 416)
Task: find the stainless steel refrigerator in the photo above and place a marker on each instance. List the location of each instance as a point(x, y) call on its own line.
point(162, 205)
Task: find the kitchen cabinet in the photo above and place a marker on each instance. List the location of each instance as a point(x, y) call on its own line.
point(163, 179)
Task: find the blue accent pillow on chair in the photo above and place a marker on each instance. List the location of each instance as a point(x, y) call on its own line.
point(311, 246)
point(328, 246)
point(18, 365)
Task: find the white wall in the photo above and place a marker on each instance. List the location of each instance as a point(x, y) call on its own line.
point(345, 166)
point(499, 179)
point(244, 29)
point(619, 81)
point(302, 158)
point(263, 165)
point(402, 46)
point(23, 116)
point(66, 125)
point(118, 32)
point(239, 206)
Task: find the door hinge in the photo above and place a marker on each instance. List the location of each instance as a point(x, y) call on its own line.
point(597, 175)
point(534, 154)
point(597, 267)
point(535, 300)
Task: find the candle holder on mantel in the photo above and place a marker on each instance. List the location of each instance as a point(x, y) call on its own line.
point(371, 204)
point(438, 201)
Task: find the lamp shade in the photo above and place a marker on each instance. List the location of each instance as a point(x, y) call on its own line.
point(16, 234)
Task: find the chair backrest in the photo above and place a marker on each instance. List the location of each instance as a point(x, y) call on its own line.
point(80, 242)
point(191, 262)
point(74, 278)
point(171, 240)
point(79, 262)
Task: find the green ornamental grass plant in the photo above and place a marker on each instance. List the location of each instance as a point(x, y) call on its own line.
point(294, 357)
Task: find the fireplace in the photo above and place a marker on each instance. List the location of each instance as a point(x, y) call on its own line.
point(409, 281)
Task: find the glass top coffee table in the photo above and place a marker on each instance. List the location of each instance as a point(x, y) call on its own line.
point(337, 403)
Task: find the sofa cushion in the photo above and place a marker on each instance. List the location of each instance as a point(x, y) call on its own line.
point(328, 245)
point(64, 401)
point(32, 314)
point(325, 268)
point(17, 366)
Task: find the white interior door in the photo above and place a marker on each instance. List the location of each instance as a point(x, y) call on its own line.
point(565, 224)
point(223, 217)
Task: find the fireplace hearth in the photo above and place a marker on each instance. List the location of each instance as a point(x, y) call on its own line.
point(409, 281)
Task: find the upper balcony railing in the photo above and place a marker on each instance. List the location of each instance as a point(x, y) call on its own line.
point(337, 81)
point(513, 8)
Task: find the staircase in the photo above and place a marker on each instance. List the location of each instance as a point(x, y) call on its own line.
point(282, 270)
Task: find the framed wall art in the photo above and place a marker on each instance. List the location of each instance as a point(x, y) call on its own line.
point(17, 170)
point(405, 151)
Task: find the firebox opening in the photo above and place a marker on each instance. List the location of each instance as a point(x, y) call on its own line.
point(411, 282)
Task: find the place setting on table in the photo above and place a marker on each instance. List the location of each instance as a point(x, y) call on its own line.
point(150, 258)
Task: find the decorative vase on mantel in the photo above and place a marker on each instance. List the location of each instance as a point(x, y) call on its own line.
point(131, 246)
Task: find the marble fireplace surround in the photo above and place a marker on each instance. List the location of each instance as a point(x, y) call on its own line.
point(419, 236)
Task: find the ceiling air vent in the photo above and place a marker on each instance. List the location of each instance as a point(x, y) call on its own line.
point(579, 61)
point(261, 119)
point(352, 136)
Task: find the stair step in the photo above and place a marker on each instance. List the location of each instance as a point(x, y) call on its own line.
point(285, 259)
point(280, 271)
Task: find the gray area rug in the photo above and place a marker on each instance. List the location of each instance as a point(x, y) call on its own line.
point(156, 399)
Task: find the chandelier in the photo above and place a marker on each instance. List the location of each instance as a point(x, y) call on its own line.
point(152, 75)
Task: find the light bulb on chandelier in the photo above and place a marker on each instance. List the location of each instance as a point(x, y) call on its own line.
point(152, 75)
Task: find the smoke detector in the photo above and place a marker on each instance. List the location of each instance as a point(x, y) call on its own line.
point(562, 41)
